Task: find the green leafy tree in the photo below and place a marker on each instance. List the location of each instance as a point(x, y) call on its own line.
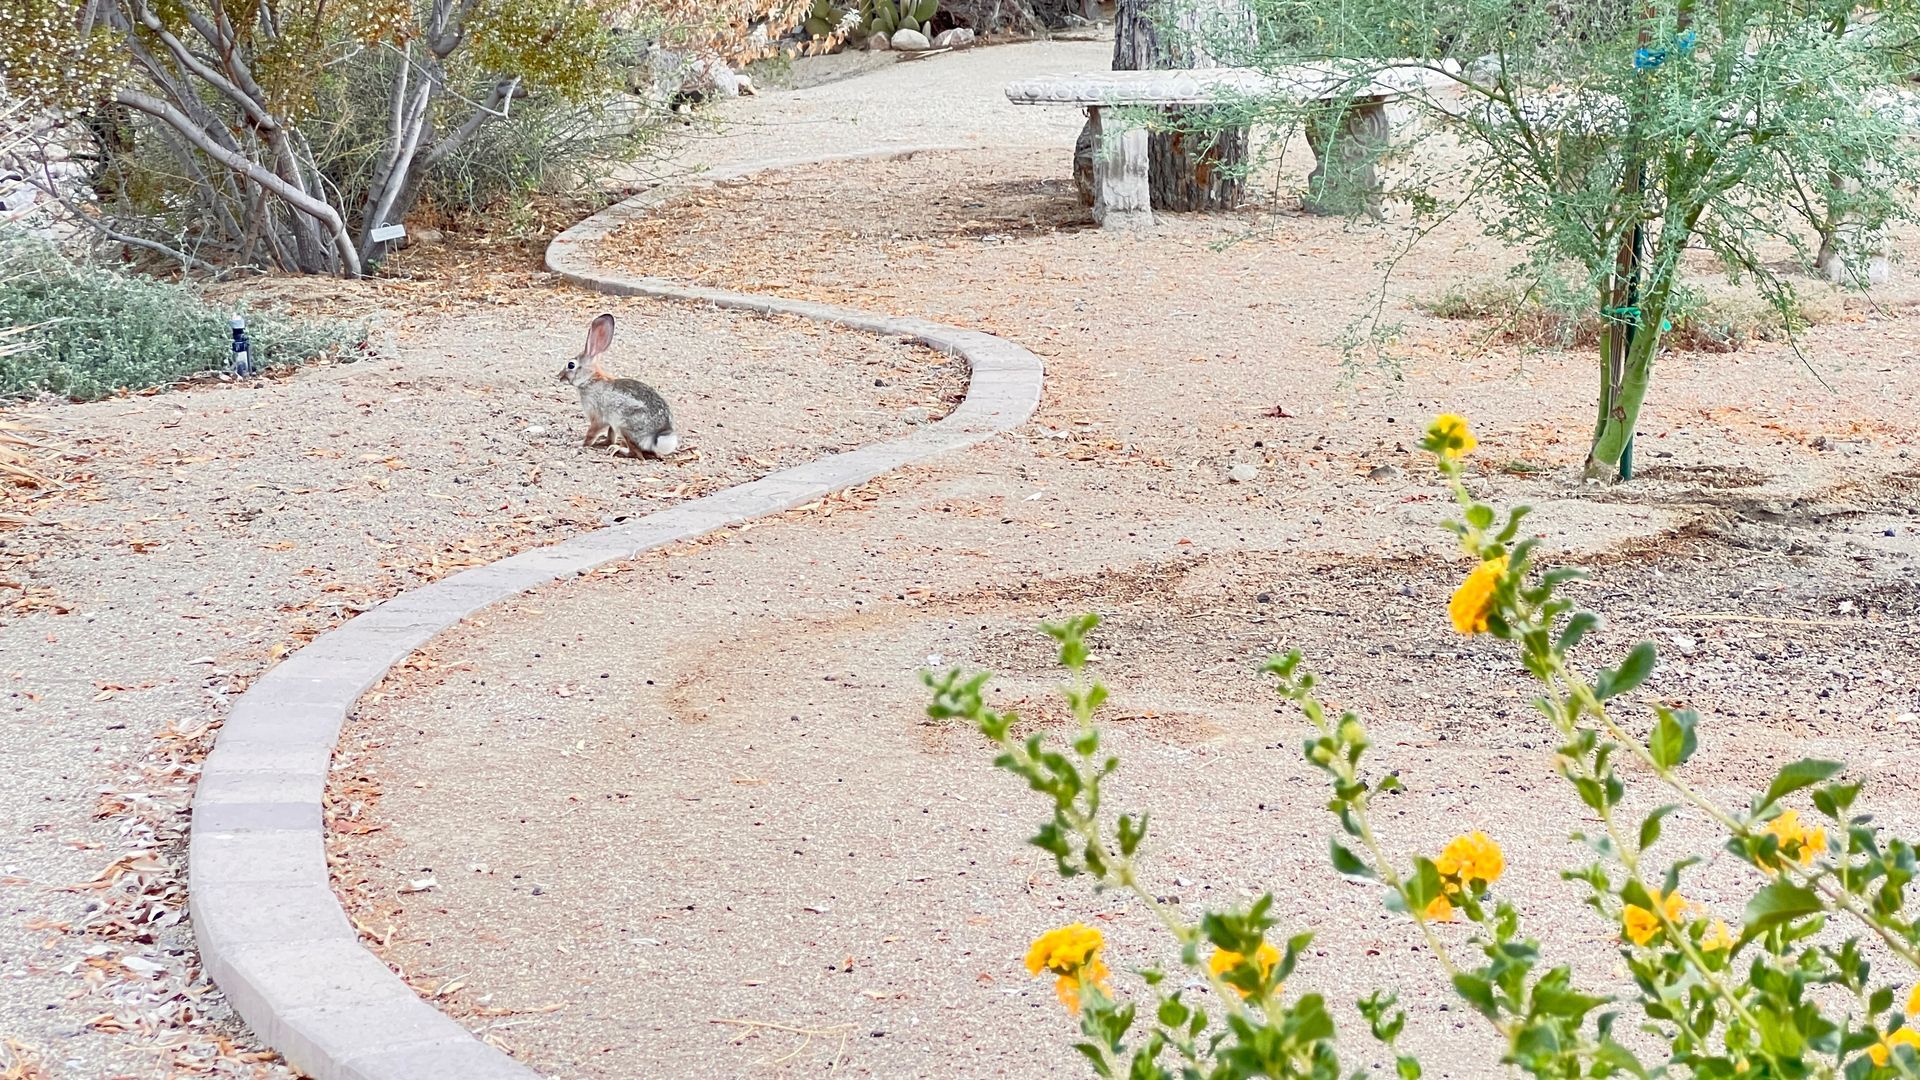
point(1614, 137)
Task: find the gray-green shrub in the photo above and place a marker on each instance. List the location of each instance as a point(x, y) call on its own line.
point(92, 332)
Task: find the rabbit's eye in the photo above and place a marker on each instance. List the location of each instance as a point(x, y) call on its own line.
point(571, 365)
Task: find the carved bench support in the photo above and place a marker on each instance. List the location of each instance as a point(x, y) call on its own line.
point(1348, 139)
point(1121, 195)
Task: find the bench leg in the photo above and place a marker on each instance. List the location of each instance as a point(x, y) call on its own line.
point(1121, 196)
point(1346, 144)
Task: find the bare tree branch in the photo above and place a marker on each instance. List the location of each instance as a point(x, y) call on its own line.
point(503, 92)
point(118, 237)
point(254, 109)
point(293, 196)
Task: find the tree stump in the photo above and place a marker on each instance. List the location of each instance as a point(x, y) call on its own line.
point(1083, 150)
point(1188, 170)
point(1348, 139)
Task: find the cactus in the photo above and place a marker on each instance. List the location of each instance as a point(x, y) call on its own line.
point(887, 16)
point(823, 19)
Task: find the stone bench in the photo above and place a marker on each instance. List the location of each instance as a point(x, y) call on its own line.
point(1120, 183)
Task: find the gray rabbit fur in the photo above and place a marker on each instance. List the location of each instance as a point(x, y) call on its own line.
point(627, 411)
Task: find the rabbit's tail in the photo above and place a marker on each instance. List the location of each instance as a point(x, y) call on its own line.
point(667, 443)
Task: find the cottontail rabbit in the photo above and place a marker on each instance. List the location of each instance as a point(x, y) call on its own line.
point(625, 410)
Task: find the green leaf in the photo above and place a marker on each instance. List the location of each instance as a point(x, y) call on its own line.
point(1630, 674)
point(1590, 792)
point(1346, 862)
point(1568, 1003)
point(1779, 903)
point(1425, 883)
point(1617, 1057)
point(1477, 991)
point(1514, 517)
point(1480, 515)
point(1650, 828)
point(1311, 1021)
point(1673, 739)
point(1093, 1053)
point(1799, 774)
point(1836, 800)
point(1578, 624)
point(1406, 1068)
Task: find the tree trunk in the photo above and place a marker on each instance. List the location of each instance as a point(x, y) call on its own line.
point(1619, 411)
point(1189, 170)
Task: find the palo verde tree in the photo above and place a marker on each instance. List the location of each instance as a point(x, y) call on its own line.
point(238, 93)
point(1613, 137)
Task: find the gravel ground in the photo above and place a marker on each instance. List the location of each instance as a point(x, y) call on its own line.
point(227, 525)
point(727, 807)
point(719, 831)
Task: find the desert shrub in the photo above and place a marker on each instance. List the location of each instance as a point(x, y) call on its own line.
point(1785, 990)
point(88, 332)
point(229, 110)
point(1552, 312)
point(546, 144)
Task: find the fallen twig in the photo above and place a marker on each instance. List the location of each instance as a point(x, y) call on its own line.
point(807, 1036)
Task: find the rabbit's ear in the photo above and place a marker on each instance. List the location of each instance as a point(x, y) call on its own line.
point(599, 336)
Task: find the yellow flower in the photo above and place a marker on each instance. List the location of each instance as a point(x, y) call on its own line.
point(1072, 953)
point(1473, 600)
point(1473, 857)
point(1225, 960)
point(1903, 1037)
point(1067, 988)
point(1641, 924)
point(1913, 1001)
point(1717, 938)
point(1797, 842)
point(1065, 950)
point(1440, 909)
point(1450, 436)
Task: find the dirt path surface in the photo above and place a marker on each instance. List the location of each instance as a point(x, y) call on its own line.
point(955, 99)
point(684, 817)
point(228, 525)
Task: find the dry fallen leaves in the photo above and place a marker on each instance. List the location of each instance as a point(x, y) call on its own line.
point(19, 1062)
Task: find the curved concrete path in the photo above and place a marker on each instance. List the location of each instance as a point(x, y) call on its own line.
point(270, 931)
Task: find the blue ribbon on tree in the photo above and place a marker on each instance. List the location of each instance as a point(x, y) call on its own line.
point(1649, 58)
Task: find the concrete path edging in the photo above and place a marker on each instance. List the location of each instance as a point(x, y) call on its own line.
point(270, 931)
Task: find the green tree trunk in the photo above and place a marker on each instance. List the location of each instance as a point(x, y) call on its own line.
point(1619, 408)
